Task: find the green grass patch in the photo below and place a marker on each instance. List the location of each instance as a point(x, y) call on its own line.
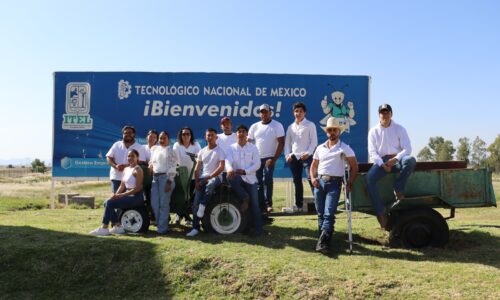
point(48, 254)
point(13, 204)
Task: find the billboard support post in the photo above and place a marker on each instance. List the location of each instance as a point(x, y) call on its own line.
point(52, 193)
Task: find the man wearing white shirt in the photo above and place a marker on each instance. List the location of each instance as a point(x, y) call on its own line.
point(269, 137)
point(226, 139)
point(389, 147)
point(300, 142)
point(243, 161)
point(327, 172)
point(117, 155)
point(211, 158)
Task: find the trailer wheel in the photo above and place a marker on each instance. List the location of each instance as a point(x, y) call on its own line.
point(135, 219)
point(223, 215)
point(418, 228)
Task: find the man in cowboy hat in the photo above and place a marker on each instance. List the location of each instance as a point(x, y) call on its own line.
point(327, 172)
point(389, 148)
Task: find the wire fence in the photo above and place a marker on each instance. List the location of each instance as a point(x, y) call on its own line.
point(22, 172)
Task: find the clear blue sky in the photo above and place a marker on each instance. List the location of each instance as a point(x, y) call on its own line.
point(436, 62)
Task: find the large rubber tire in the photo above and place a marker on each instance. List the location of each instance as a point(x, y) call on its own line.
point(418, 228)
point(135, 220)
point(223, 214)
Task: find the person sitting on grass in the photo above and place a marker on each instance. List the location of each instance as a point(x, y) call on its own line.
point(129, 194)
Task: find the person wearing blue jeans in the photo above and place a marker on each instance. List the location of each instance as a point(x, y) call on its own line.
point(243, 161)
point(111, 205)
point(389, 148)
point(211, 159)
point(203, 194)
point(327, 171)
point(162, 165)
point(128, 195)
point(269, 138)
point(300, 141)
point(265, 184)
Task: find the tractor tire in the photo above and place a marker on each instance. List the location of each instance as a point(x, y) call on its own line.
point(223, 214)
point(418, 228)
point(135, 220)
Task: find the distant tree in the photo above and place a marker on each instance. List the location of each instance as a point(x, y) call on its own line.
point(437, 149)
point(38, 166)
point(463, 150)
point(10, 166)
point(494, 158)
point(425, 154)
point(434, 144)
point(478, 153)
point(445, 151)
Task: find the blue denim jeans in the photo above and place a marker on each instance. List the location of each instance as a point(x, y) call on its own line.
point(202, 196)
point(298, 166)
point(326, 198)
point(160, 201)
point(404, 167)
point(115, 184)
point(248, 192)
point(110, 206)
point(265, 184)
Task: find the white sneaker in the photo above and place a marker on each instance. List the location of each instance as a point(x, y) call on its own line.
point(177, 220)
point(193, 232)
point(100, 231)
point(188, 223)
point(297, 209)
point(117, 230)
point(201, 211)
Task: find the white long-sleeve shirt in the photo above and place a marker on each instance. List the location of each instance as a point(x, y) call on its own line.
point(391, 140)
point(301, 138)
point(164, 160)
point(246, 158)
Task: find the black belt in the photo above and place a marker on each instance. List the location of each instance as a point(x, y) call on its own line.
point(158, 174)
point(328, 177)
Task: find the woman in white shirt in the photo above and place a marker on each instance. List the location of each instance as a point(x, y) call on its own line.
point(129, 194)
point(162, 165)
point(187, 149)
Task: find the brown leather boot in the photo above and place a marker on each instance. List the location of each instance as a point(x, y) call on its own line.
point(382, 220)
point(399, 195)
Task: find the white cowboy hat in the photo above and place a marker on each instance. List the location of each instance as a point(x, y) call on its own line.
point(335, 123)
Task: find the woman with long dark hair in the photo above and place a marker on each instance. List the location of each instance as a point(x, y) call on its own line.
point(129, 194)
point(187, 149)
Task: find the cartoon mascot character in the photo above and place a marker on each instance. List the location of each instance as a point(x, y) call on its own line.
point(338, 110)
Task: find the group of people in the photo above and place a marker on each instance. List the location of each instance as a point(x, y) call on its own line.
point(245, 160)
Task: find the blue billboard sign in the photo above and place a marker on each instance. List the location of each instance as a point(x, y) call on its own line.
point(90, 108)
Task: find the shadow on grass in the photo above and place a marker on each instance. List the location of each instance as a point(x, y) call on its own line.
point(467, 247)
point(37, 263)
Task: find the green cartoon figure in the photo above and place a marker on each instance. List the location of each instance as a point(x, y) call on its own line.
point(338, 110)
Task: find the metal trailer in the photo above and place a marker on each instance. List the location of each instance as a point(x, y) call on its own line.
point(413, 221)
